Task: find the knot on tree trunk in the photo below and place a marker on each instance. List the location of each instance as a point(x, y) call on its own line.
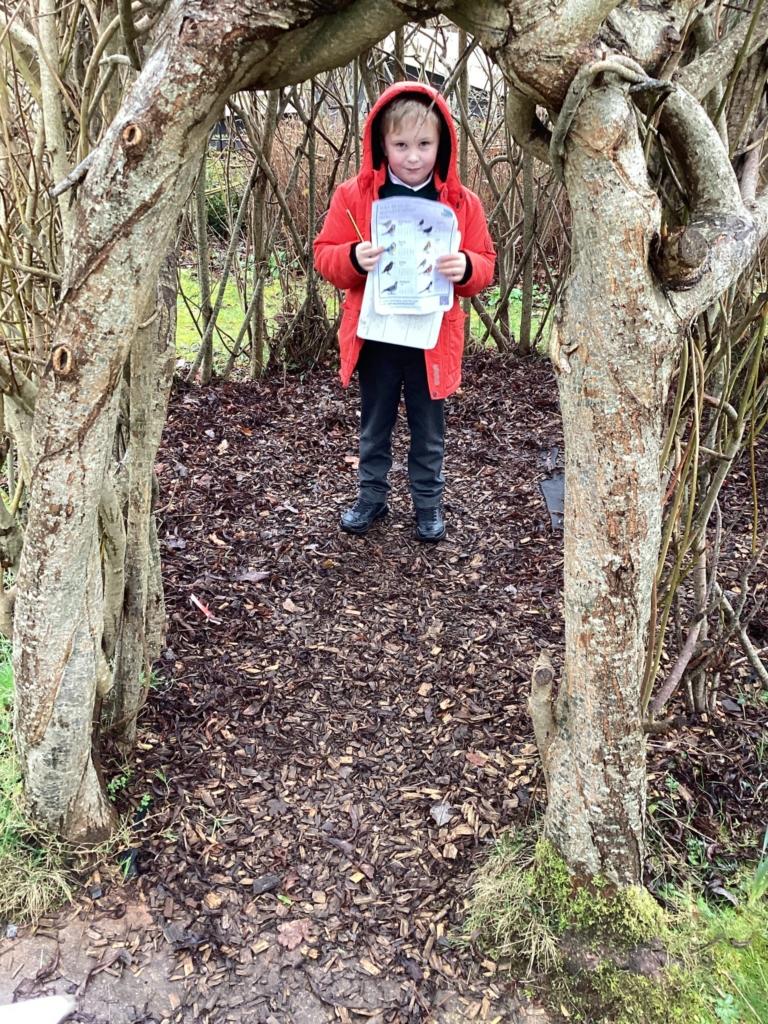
point(62, 360)
point(540, 708)
point(134, 139)
point(680, 259)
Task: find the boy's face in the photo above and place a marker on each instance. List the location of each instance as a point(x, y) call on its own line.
point(411, 151)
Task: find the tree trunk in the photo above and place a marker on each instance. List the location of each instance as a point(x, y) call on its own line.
point(126, 210)
point(615, 342)
point(152, 360)
point(615, 391)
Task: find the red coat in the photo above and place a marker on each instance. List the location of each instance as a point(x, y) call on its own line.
point(334, 243)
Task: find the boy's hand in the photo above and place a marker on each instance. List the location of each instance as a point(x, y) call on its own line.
point(453, 266)
point(367, 256)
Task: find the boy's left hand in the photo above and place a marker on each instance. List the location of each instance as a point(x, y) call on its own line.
point(453, 266)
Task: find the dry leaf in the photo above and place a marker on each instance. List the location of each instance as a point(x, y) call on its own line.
point(252, 576)
point(442, 813)
point(291, 934)
point(477, 759)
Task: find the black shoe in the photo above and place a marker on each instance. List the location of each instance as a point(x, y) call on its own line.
point(361, 517)
point(429, 524)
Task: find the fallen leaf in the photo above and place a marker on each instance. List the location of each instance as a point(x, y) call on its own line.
point(289, 606)
point(291, 934)
point(478, 760)
point(442, 813)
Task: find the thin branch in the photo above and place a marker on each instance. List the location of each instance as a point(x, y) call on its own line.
point(73, 178)
point(702, 75)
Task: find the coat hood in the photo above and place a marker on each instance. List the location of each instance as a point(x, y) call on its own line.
point(373, 161)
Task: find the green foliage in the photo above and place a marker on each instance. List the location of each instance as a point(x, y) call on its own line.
point(530, 911)
point(218, 216)
point(613, 995)
point(758, 885)
point(33, 878)
point(491, 300)
point(118, 783)
point(224, 186)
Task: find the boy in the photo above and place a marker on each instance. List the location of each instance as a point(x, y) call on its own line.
point(409, 149)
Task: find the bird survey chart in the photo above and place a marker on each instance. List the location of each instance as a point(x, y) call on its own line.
point(415, 233)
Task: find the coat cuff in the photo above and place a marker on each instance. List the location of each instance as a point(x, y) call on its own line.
point(353, 260)
point(468, 271)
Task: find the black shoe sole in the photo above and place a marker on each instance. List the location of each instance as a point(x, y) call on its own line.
point(430, 540)
point(359, 533)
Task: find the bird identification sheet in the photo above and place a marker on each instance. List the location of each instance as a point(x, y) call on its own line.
point(409, 329)
point(415, 233)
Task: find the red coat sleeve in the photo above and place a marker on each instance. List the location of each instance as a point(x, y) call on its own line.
point(477, 244)
point(334, 243)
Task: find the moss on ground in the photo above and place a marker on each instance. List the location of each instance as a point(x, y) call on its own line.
point(598, 953)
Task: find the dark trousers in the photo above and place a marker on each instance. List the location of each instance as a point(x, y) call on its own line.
point(385, 371)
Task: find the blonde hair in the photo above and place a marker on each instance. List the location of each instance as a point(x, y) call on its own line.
point(407, 109)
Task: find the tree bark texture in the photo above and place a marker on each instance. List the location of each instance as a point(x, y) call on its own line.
point(612, 403)
point(153, 355)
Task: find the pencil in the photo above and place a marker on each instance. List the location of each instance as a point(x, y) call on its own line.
point(354, 225)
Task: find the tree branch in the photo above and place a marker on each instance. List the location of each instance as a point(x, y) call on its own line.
point(24, 50)
point(727, 234)
point(705, 73)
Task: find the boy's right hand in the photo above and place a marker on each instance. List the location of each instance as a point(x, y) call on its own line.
point(368, 256)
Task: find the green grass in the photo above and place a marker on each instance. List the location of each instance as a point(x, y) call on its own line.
point(228, 321)
point(33, 879)
point(491, 299)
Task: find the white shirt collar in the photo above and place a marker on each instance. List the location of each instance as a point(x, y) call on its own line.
point(414, 188)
